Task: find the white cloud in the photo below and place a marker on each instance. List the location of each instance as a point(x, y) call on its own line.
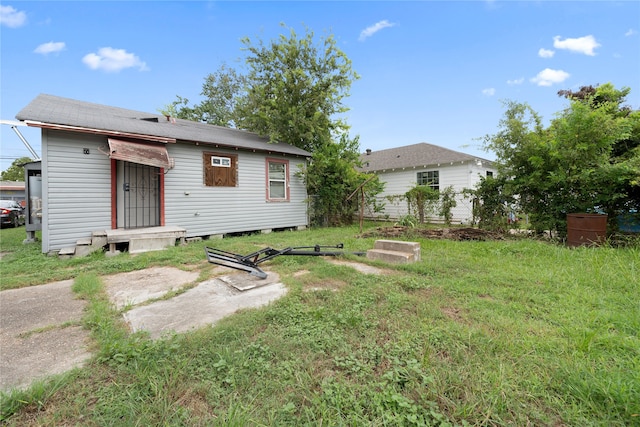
point(12, 18)
point(113, 60)
point(51, 47)
point(515, 82)
point(489, 91)
point(630, 32)
point(584, 44)
point(547, 77)
point(545, 53)
point(371, 30)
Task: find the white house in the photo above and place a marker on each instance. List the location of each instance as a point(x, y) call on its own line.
point(108, 168)
point(402, 168)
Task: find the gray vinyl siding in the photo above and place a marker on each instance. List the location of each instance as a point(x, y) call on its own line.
point(204, 210)
point(77, 191)
point(76, 188)
point(460, 175)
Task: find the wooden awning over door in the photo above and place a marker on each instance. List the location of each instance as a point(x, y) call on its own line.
point(141, 153)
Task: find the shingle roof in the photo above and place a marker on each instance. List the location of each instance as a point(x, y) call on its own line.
point(69, 112)
point(416, 155)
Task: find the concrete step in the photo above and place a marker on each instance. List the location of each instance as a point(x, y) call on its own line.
point(84, 242)
point(393, 257)
point(69, 251)
point(88, 245)
point(412, 248)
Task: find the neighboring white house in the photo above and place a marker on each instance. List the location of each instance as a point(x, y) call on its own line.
point(402, 168)
point(107, 168)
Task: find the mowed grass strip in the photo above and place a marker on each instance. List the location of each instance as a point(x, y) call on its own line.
point(513, 332)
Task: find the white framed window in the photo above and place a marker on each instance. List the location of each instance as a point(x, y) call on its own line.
point(221, 162)
point(277, 180)
point(429, 178)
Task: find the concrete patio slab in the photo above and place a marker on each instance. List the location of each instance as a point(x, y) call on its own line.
point(40, 333)
point(202, 305)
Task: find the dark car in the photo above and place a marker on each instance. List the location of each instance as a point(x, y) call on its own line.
point(11, 213)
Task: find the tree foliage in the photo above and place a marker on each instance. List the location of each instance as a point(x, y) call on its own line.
point(491, 203)
point(331, 179)
point(588, 159)
point(293, 92)
point(15, 172)
point(447, 203)
point(422, 200)
point(221, 90)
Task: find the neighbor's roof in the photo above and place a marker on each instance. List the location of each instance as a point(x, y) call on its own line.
point(54, 110)
point(12, 185)
point(416, 155)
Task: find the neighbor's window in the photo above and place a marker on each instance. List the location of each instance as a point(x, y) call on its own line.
point(489, 173)
point(430, 178)
point(220, 170)
point(277, 180)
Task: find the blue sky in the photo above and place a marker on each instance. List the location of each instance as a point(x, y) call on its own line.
point(431, 71)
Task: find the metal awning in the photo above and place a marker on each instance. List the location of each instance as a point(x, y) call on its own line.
point(144, 154)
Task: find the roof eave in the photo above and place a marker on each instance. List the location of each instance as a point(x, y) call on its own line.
point(153, 138)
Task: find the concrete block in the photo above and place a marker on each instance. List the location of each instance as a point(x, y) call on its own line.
point(266, 231)
point(83, 250)
point(84, 241)
point(412, 248)
point(145, 244)
point(99, 241)
point(391, 257)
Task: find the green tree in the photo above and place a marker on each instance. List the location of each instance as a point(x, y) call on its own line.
point(491, 203)
point(296, 89)
point(331, 179)
point(447, 203)
point(586, 160)
point(221, 90)
point(422, 200)
point(15, 172)
point(293, 92)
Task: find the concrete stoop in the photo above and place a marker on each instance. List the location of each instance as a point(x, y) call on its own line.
point(395, 252)
point(138, 241)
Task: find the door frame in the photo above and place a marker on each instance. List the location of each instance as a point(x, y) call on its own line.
point(114, 195)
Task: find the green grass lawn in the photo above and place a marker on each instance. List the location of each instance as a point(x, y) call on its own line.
point(510, 332)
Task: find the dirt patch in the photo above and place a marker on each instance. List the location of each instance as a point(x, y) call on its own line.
point(467, 233)
point(362, 268)
point(454, 314)
point(331, 285)
point(300, 273)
